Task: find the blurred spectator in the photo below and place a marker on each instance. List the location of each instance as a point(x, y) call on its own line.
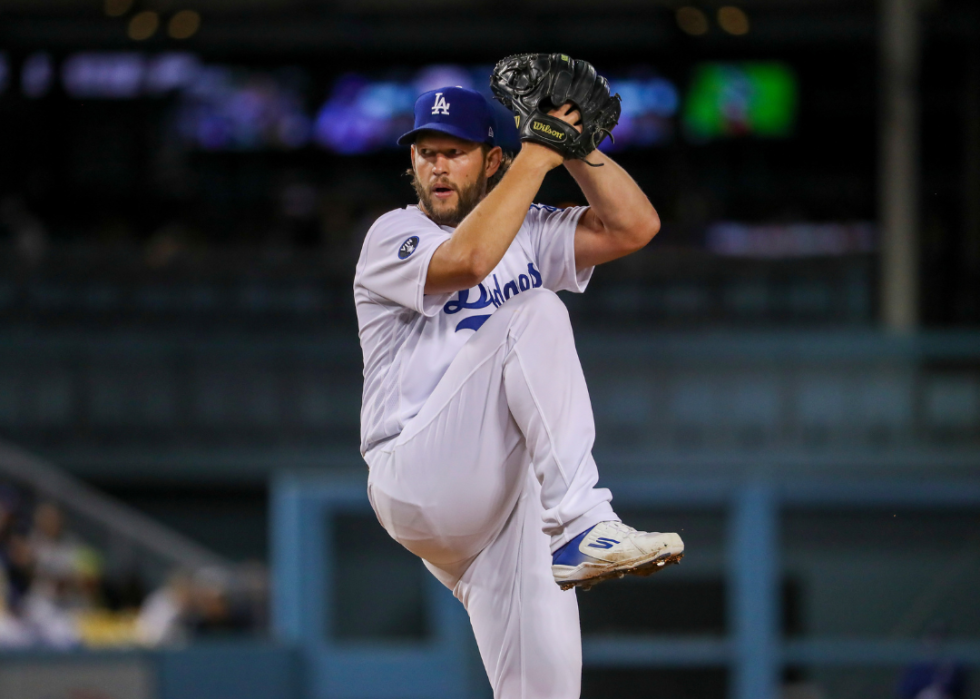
point(215, 611)
point(941, 679)
point(938, 678)
point(64, 578)
point(66, 572)
point(16, 559)
point(210, 602)
point(13, 633)
point(49, 624)
point(53, 591)
point(161, 618)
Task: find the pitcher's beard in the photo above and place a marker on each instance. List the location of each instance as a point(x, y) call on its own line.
point(466, 201)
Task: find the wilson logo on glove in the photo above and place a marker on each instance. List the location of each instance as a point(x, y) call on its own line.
point(545, 129)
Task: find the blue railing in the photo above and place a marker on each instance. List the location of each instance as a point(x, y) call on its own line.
point(754, 649)
point(304, 584)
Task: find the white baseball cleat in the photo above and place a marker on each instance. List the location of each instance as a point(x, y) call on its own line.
point(611, 550)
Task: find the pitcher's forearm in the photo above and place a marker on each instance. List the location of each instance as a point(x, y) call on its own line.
point(615, 198)
point(483, 237)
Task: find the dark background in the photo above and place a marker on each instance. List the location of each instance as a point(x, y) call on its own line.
point(175, 332)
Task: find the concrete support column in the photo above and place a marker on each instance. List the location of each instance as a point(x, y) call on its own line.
point(754, 597)
point(898, 170)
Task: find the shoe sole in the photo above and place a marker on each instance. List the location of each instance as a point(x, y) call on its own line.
point(643, 570)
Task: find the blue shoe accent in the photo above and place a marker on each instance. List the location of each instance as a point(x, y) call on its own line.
point(569, 554)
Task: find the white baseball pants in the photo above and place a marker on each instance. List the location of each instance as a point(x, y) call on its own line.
point(492, 475)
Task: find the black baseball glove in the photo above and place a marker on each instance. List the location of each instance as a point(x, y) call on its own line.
point(532, 84)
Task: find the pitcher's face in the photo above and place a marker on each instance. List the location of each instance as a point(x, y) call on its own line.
point(450, 176)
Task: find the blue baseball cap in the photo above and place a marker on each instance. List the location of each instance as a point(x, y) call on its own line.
point(456, 111)
point(505, 132)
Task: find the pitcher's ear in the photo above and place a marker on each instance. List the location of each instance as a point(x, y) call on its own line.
point(494, 157)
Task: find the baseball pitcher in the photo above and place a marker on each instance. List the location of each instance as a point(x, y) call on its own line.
point(476, 423)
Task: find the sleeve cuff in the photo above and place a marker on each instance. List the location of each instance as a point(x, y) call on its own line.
point(581, 279)
point(429, 304)
point(578, 280)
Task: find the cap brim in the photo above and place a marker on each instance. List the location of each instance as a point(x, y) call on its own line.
point(442, 128)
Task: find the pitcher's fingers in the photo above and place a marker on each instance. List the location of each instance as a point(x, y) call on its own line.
point(568, 113)
point(562, 110)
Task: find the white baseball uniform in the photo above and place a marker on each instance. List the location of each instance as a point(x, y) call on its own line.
point(477, 428)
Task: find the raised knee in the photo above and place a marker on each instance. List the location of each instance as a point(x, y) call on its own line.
point(541, 299)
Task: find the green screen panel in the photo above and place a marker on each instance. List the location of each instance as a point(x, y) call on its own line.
point(727, 100)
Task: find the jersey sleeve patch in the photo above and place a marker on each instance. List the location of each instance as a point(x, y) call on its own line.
point(408, 247)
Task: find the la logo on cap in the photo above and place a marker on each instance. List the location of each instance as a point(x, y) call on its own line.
point(441, 105)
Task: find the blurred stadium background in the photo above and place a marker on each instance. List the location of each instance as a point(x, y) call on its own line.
point(789, 374)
